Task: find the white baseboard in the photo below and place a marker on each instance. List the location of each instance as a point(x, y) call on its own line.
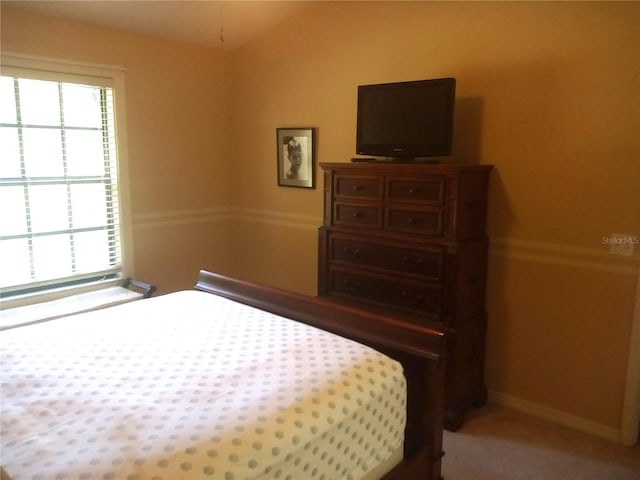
point(555, 416)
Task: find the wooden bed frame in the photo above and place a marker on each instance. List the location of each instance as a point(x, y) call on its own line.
point(419, 349)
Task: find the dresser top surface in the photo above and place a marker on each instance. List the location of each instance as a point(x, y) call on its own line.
point(408, 167)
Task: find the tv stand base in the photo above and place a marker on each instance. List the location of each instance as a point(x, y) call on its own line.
point(393, 160)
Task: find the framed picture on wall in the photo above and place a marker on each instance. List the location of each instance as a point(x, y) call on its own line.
point(296, 162)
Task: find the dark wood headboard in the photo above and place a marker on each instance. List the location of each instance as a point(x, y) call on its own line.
point(421, 350)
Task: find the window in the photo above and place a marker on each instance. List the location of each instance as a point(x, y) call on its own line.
point(60, 221)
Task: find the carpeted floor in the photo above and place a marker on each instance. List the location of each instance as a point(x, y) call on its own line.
point(497, 443)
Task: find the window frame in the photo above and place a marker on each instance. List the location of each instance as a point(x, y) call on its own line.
point(60, 70)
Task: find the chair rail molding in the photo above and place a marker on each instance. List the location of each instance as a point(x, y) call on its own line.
point(560, 254)
point(171, 218)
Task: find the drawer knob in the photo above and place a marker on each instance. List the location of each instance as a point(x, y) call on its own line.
point(357, 215)
point(352, 252)
point(412, 221)
point(415, 298)
point(351, 284)
point(413, 190)
point(357, 188)
point(413, 260)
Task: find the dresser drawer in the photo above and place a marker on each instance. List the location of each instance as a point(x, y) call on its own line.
point(426, 191)
point(357, 186)
point(424, 262)
point(357, 214)
point(424, 221)
point(412, 297)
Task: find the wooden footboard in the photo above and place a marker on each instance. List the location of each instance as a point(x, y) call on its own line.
point(419, 349)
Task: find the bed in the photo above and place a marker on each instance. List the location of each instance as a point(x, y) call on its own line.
point(218, 382)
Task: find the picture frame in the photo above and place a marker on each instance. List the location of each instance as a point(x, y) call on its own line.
point(296, 157)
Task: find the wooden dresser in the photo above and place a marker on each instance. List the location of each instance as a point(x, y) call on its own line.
point(408, 239)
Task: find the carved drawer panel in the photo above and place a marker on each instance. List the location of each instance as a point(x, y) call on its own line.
point(424, 262)
point(426, 191)
point(424, 221)
point(412, 297)
point(356, 186)
point(357, 214)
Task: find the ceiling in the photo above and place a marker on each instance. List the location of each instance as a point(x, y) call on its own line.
point(195, 21)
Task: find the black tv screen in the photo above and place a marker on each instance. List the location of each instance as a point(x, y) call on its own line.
point(406, 120)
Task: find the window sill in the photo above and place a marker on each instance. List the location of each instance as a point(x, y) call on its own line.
point(82, 302)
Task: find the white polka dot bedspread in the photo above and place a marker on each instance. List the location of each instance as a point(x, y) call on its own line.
point(190, 385)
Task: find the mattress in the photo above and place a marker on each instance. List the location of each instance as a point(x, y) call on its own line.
point(190, 385)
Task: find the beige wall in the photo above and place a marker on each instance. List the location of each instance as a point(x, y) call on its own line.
point(548, 92)
point(177, 109)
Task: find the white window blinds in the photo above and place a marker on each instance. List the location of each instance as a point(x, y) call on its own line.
point(59, 209)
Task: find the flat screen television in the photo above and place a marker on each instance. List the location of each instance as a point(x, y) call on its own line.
point(406, 120)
